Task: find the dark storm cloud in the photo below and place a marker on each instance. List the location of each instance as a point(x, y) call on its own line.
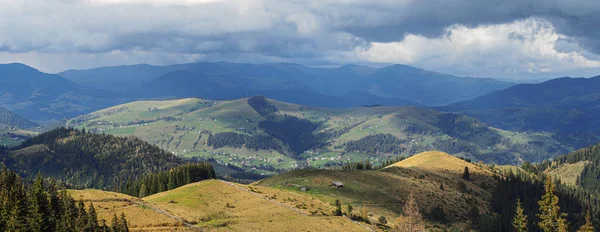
point(308, 31)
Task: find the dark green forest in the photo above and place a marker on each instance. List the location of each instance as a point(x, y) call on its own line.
point(589, 178)
point(296, 133)
point(374, 144)
point(40, 206)
point(167, 180)
point(529, 189)
point(86, 160)
point(236, 140)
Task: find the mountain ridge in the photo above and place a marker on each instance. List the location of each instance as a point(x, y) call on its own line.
point(335, 82)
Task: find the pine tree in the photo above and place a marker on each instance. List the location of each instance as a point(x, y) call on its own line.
point(411, 219)
point(338, 208)
point(38, 219)
point(520, 220)
point(350, 208)
point(587, 227)
point(123, 223)
point(81, 223)
point(466, 175)
point(551, 220)
point(92, 218)
point(115, 224)
point(143, 191)
point(55, 206)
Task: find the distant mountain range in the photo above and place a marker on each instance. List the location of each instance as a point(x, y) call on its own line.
point(569, 107)
point(327, 87)
point(41, 96)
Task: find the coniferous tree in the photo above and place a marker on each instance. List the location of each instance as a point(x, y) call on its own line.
point(520, 220)
point(43, 209)
point(81, 223)
point(551, 220)
point(338, 208)
point(92, 218)
point(587, 227)
point(115, 224)
point(411, 219)
point(39, 213)
point(123, 223)
point(466, 175)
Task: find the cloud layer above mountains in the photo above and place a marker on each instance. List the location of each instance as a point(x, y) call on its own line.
point(509, 38)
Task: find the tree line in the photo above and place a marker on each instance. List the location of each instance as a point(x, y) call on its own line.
point(375, 144)
point(87, 160)
point(42, 207)
point(236, 140)
point(166, 180)
point(570, 203)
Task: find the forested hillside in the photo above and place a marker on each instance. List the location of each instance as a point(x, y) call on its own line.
point(11, 119)
point(567, 107)
point(41, 96)
point(87, 160)
point(588, 177)
point(344, 86)
point(42, 207)
point(268, 136)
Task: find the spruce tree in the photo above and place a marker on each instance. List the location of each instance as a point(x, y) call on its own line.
point(520, 220)
point(81, 223)
point(92, 218)
point(123, 223)
point(38, 219)
point(115, 224)
point(338, 208)
point(587, 227)
point(411, 219)
point(551, 220)
point(466, 175)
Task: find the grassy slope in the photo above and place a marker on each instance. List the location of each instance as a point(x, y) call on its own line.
point(219, 206)
point(139, 218)
point(183, 135)
point(384, 191)
point(567, 173)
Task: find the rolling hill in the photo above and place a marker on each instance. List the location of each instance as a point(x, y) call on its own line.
point(215, 205)
point(386, 190)
point(268, 136)
point(567, 107)
point(393, 85)
point(8, 118)
point(41, 96)
point(86, 160)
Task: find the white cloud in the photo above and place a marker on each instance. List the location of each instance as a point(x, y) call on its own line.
point(502, 38)
point(518, 48)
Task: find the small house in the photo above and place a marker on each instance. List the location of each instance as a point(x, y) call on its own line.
point(336, 184)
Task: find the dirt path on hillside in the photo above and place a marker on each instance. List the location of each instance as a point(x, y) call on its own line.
point(285, 205)
point(168, 214)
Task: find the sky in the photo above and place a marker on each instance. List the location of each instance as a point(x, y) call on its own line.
point(512, 39)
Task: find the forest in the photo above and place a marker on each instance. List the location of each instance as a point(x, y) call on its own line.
point(375, 144)
point(13, 120)
point(40, 206)
point(168, 180)
point(530, 190)
point(236, 140)
point(296, 133)
point(589, 178)
point(85, 160)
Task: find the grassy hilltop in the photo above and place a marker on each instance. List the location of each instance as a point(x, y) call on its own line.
point(278, 203)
